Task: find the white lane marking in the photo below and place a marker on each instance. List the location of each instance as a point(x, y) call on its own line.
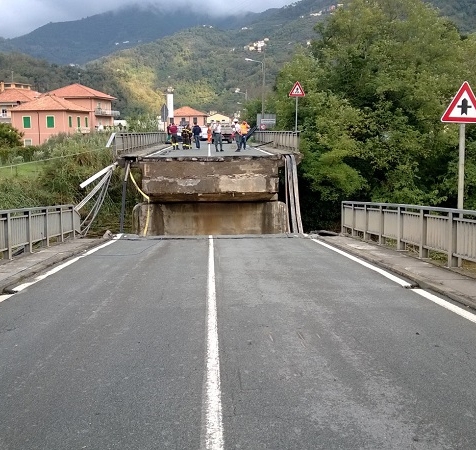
point(23, 286)
point(264, 151)
point(439, 301)
point(386, 274)
point(4, 297)
point(214, 423)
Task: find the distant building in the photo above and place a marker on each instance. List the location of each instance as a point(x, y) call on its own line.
point(218, 118)
point(70, 109)
point(11, 95)
point(47, 116)
point(189, 115)
point(98, 103)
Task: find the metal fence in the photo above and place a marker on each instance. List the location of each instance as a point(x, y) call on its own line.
point(21, 229)
point(124, 143)
point(284, 140)
point(444, 230)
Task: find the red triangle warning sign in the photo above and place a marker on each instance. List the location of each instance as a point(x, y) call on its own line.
point(462, 109)
point(297, 90)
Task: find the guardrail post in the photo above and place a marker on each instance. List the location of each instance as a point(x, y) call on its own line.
point(30, 243)
point(400, 244)
point(47, 228)
point(342, 217)
point(353, 219)
point(7, 231)
point(452, 241)
point(381, 227)
point(366, 223)
point(61, 224)
point(423, 251)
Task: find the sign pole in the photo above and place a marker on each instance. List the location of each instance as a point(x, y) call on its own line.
point(462, 138)
point(297, 91)
point(295, 121)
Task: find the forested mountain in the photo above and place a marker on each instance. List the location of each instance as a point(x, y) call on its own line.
point(80, 41)
point(461, 12)
point(378, 75)
point(205, 64)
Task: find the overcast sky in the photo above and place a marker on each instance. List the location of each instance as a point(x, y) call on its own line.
point(22, 16)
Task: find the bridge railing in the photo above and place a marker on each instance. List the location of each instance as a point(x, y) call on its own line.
point(124, 143)
point(283, 140)
point(21, 229)
point(444, 230)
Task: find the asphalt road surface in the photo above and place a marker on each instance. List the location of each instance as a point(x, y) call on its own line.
point(208, 150)
point(231, 343)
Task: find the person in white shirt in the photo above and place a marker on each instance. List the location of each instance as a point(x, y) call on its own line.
point(237, 130)
point(217, 137)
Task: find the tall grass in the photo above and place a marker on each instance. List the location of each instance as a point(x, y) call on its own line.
point(54, 173)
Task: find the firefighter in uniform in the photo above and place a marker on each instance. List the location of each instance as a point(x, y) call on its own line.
point(186, 137)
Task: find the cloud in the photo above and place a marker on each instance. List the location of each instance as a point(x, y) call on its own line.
point(28, 15)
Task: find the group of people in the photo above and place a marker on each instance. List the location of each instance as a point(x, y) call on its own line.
point(240, 132)
point(187, 135)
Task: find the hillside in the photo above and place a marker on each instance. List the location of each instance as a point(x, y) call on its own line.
point(205, 64)
point(461, 12)
point(80, 41)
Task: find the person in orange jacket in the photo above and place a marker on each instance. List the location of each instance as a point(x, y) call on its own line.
point(209, 134)
point(244, 128)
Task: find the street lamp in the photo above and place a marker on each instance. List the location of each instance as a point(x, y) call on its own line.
point(262, 89)
point(238, 91)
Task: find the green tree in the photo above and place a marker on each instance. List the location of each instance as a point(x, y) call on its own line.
point(9, 136)
point(142, 123)
point(377, 79)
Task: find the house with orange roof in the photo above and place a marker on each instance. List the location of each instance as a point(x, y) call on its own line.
point(98, 103)
point(11, 95)
point(49, 115)
point(189, 115)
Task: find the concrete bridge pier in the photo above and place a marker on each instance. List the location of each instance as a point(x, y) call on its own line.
point(229, 195)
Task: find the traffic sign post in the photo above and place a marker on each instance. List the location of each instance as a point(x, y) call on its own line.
point(462, 110)
point(297, 91)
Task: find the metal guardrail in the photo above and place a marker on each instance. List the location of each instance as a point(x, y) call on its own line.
point(23, 228)
point(445, 230)
point(126, 143)
point(284, 140)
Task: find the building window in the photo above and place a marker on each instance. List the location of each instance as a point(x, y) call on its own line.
point(79, 121)
point(27, 142)
point(50, 121)
point(26, 122)
point(4, 113)
point(195, 120)
point(86, 122)
point(70, 121)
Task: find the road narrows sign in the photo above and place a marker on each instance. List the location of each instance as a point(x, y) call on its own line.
point(462, 108)
point(297, 90)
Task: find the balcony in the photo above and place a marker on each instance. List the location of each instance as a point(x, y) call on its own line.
point(106, 112)
point(5, 117)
